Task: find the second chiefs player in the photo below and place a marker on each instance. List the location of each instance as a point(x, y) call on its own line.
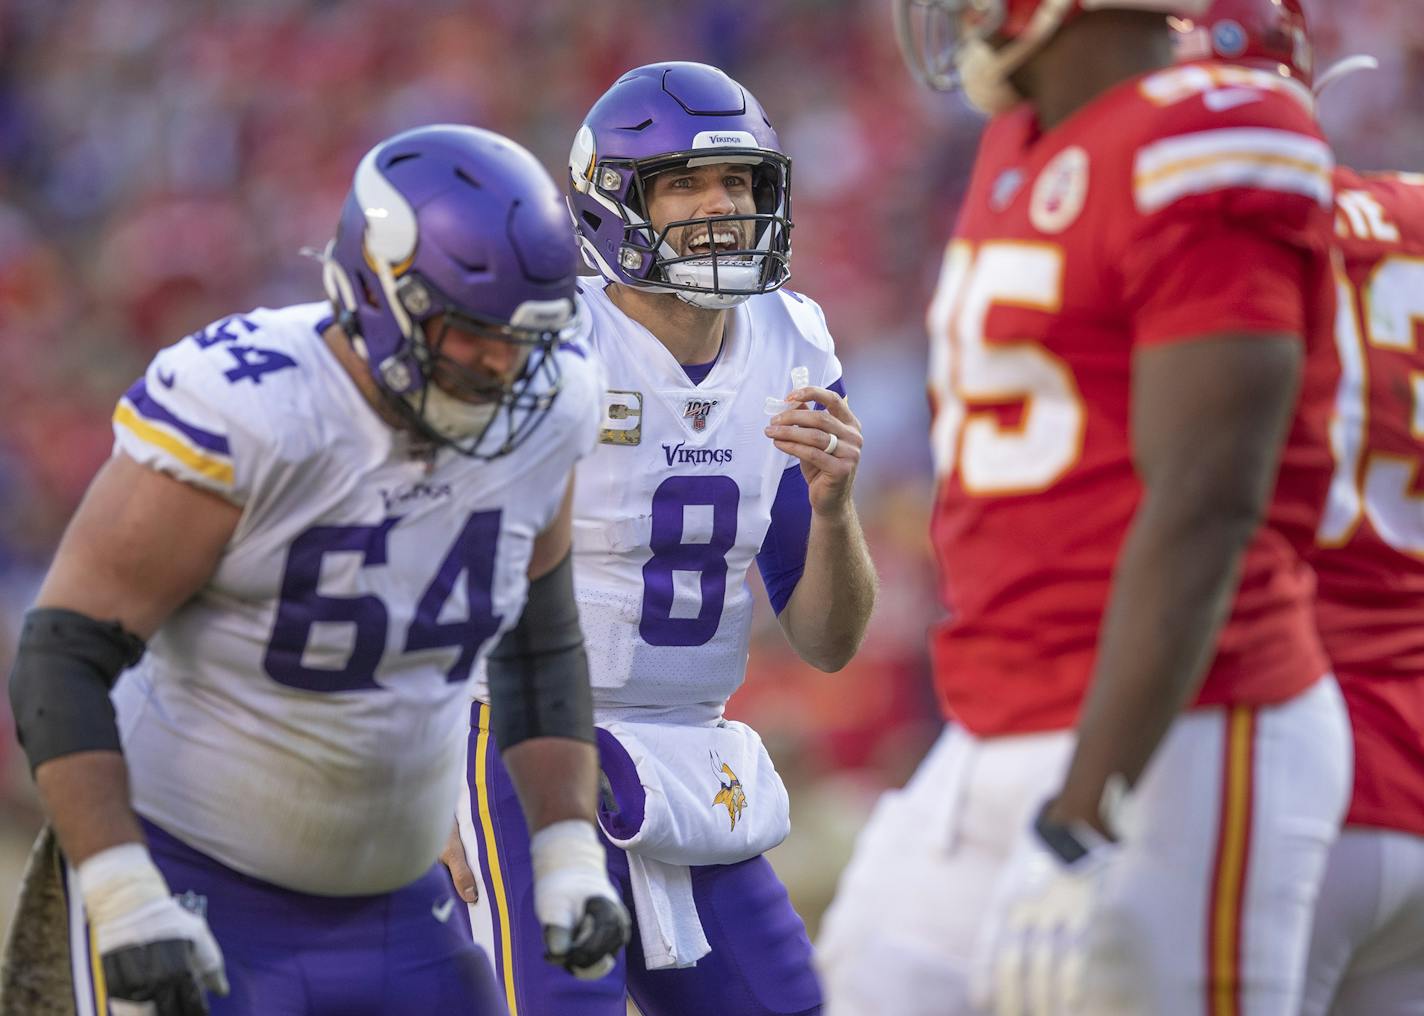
point(1367, 950)
point(1132, 373)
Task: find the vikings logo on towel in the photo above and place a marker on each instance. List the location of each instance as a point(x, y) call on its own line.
point(696, 410)
point(731, 793)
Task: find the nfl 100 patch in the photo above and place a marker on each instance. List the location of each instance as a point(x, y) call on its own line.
point(696, 411)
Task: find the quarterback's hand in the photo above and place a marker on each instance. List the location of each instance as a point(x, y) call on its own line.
point(158, 957)
point(1032, 952)
point(585, 923)
point(453, 857)
point(827, 443)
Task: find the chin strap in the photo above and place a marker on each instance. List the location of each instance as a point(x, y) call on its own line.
point(984, 71)
point(452, 418)
point(985, 79)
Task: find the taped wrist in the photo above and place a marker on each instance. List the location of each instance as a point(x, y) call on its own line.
point(571, 844)
point(538, 672)
point(65, 664)
point(116, 882)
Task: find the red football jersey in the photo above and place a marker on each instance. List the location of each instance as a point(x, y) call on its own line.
point(1370, 560)
point(1189, 202)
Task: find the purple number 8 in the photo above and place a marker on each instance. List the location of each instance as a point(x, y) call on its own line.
point(670, 554)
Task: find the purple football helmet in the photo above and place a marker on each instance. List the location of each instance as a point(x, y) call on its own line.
point(462, 225)
point(655, 118)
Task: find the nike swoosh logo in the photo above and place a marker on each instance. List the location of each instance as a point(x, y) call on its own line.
point(1223, 99)
point(442, 911)
point(167, 379)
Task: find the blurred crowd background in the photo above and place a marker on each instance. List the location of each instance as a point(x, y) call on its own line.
point(162, 164)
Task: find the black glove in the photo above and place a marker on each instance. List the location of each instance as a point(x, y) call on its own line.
point(598, 936)
point(163, 974)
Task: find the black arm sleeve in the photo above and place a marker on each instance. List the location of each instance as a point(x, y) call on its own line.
point(538, 673)
point(65, 665)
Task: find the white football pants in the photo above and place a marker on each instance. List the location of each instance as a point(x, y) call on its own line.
point(1367, 948)
point(1223, 853)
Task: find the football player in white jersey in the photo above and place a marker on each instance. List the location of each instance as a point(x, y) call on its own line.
point(320, 518)
point(711, 456)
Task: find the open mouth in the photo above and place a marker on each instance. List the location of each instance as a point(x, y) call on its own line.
point(722, 241)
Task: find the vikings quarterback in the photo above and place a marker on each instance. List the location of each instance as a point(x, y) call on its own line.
point(321, 518)
point(711, 455)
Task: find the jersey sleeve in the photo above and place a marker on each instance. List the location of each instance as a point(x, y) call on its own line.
point(831, 371)
point(585, 396)
point(571, 433)
point(815, 328)
point(1222, 280)
point(782, 558)
point(1233, 221)
point(178, 420)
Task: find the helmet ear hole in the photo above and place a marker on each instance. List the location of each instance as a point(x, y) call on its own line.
point(594, 222)
point(764, 189)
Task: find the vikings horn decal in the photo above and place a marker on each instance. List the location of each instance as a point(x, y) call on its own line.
point(391, 229)
point(731, 793)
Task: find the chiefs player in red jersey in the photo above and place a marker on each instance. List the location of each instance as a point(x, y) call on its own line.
point(1367, 950)
point(1132, 372)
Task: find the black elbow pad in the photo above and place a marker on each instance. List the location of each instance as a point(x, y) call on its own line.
point(65, 664)
point(538, 672)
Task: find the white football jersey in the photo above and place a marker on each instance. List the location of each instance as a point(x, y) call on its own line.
point(675, 503)
point(301, 719)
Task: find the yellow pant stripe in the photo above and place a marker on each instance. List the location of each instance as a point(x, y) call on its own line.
point(496, 877)
point(1233, 850)
point(96, 971)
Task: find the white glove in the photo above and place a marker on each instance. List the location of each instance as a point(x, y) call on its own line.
point(585, 923)
point(158, 957)
point(1033, 950)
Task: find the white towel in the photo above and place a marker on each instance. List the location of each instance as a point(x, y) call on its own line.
point(668, 924)
point(683, 795)
point(690, 794)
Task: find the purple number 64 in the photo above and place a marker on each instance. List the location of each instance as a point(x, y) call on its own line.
point(303, 606)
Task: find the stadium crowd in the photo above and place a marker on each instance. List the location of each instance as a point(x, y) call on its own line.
point(163, 163)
